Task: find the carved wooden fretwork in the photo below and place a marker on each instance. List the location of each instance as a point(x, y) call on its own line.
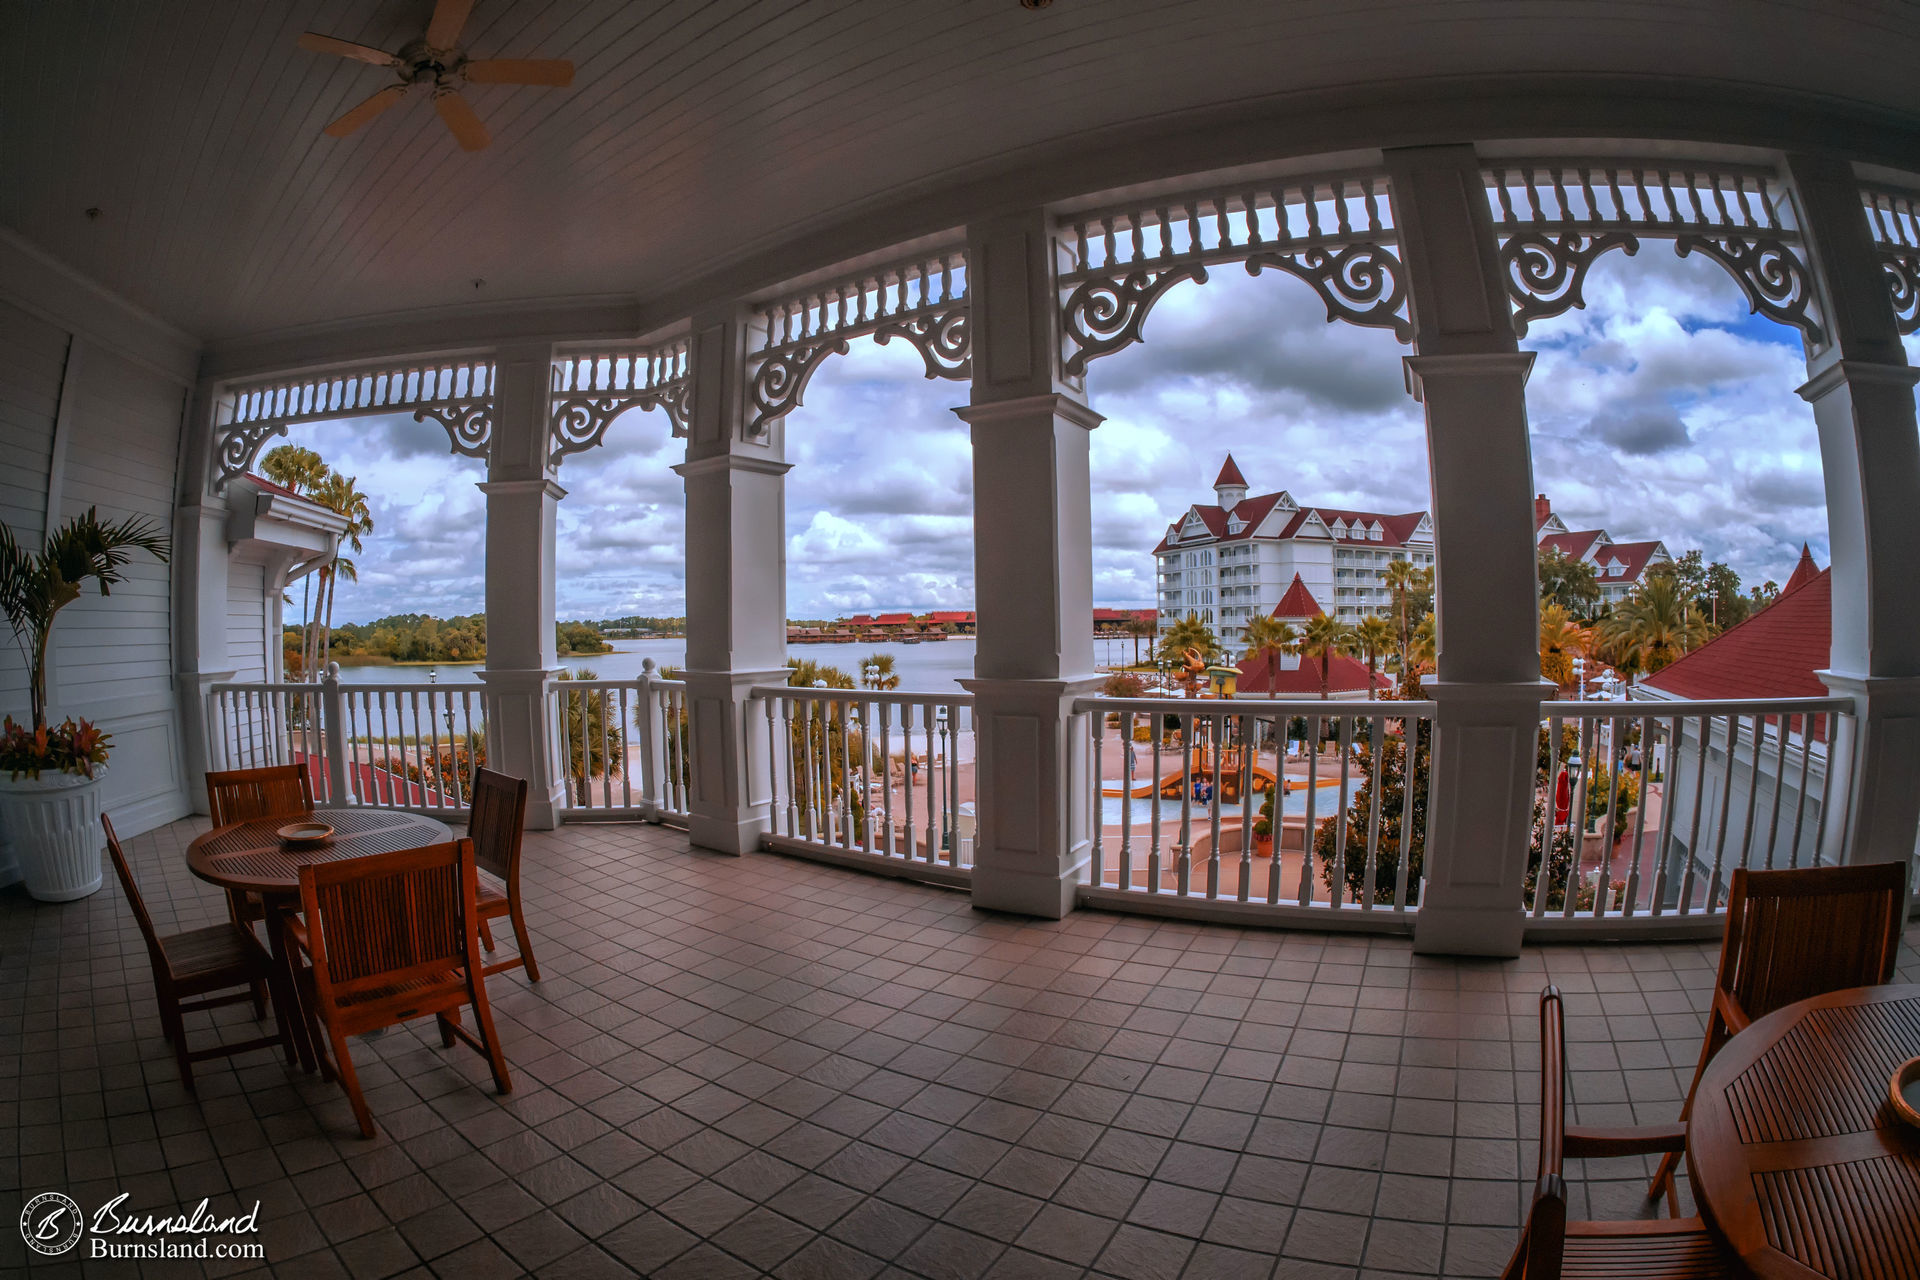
point(1360, 283)
point(923, 301)
point(455, 392)
point(1775, 280)
point(1894, 217)
point(1547, 274)
point(1335, 233)
point(1556, 218)
point(469, 423)
point(592, 388)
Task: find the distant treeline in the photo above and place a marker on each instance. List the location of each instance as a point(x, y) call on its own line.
point(421, 637)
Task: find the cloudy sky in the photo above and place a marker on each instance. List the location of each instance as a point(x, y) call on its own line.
point(1662, 411)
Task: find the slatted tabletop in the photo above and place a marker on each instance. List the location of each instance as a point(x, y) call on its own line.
point(1796, 1155)
point(250, 856)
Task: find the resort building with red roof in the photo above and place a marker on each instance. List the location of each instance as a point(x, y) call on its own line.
point(1236, 557)
point(1620, 567)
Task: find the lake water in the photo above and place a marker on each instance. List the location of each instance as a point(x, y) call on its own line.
point(928, 667)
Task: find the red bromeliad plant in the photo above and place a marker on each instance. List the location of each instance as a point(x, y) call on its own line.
point(70, 747)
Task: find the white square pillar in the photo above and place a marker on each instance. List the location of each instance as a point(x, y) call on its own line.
point(736, 587)
point(1861, 389)
point(1033, 576)
point(522, 501)
point(1471, 377)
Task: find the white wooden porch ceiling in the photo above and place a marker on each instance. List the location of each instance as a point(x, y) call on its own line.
point(700, 130)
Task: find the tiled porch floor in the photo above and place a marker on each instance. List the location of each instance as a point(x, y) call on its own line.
point(759, 1065)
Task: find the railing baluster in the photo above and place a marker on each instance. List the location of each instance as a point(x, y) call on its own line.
point(1096, 867)
point(1183, 870)
point(1312, 747)
point(1249, 738)
point(1376, 734)
point(1216, 729)
point(1158, 726)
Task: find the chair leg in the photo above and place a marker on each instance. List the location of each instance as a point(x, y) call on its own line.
point(446, 1022)
point(486, 934)
point(1662, 1183)
point(520, 936)
point(170, 1015)
point(282, 1004)
point(350, 1082)
point(259, 989)
point(483, 1016)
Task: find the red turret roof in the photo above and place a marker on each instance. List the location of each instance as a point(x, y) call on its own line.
point(1773, 654)
point(1803, 572)
point(1230, 474)
point(1298, 602)
point(1261, 674)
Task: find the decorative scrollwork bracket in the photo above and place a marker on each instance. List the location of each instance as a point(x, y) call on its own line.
point(1104, 312)
point(468, 423)
point(238, 447)
point(1547, 275)
point(580, 421)
point(1772, 276)
point(1360, 283)
point(1903, 285)
point(943, 338)
point(782, 376)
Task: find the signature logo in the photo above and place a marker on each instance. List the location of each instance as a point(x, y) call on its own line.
point(51, 1223)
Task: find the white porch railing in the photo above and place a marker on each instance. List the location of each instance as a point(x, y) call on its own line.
point(1666, 799)
point(392, 746)
point(623, 747)
point(881, 781)
point(1175, 786)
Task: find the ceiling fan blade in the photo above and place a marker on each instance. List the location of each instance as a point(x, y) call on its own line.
point(314, 42)
point(550, 71)
point(459, 117)
point(449, 16)
point(366, 111)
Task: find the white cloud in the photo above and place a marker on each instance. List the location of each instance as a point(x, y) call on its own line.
point(1663, 410)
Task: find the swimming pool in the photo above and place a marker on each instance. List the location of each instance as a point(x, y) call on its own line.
point(1111, 807)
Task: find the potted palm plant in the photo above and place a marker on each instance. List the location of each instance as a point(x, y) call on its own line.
point(51, 775)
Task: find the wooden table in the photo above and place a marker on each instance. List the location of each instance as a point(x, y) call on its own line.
point(1795, 1154)
point(249, 856)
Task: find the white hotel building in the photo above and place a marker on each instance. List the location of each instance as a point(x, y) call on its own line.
point(1235, 558)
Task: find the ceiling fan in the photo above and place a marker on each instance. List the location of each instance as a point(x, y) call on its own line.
point(436, 63)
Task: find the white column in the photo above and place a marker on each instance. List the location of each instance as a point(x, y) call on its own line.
point(1033, 576)
point(1861, 389)
point(736, 587)
point(1471, 376)
point(522, 497)
point(200, 596)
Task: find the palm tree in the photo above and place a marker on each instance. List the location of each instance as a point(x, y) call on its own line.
point(1405, 579)
point(300, 470)
point(1140, 629)
point(594, 743)
point(1425, 650)
point(1189, 633)
point(1655, 626)
point(1560, 639)
point(1372, 637)
point(341, 494)
point(884, 676)
point(33, 588)
point(1324, 637)
point(1269, 637)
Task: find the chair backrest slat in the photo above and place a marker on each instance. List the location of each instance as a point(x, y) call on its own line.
point(132, 890)
point(389, 917)
point(248, 795)
point(499, 812)
point(1801, 933)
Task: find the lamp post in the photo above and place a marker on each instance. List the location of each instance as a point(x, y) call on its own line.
point(946, 817)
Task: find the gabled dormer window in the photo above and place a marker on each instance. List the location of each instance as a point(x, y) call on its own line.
point(1615, 569)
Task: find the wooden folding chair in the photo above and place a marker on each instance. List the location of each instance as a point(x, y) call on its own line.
point(1791, 935)
point(251, 795)
point(392, 937)
point(1550, 1246)
point(198, 962)
point(499, 814)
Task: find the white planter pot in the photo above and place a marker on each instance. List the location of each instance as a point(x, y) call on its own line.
point(53, 824)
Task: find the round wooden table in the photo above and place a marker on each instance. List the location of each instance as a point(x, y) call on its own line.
point(1796, 1156)
point(250, 856)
